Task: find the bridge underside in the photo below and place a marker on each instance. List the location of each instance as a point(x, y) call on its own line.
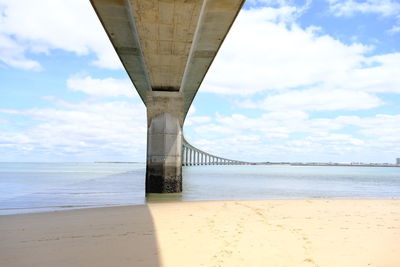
point(166, 47)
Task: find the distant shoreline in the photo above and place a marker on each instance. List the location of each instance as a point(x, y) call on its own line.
point(118, 162)
point(285, 164)
point(328, 164)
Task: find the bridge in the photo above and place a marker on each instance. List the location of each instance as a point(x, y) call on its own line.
point(192, 156)
point(167, 47)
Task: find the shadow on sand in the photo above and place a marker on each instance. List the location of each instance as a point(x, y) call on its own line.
point(116, 236)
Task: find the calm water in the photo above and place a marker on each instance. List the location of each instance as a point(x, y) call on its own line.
point(34, 187)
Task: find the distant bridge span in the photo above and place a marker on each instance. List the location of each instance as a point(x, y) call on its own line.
point(192, 156)
point(167, 47)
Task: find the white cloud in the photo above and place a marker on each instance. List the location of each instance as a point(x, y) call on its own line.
point(108, 87)
point(378, 76)
point(381, 127)
point(295, 136)
point(336, 139)
point(41, 26)
point(318, 100)
point(263, 52)
point(192, 119)
point(12, 53)
point(384, 8)
point(197, 120)
point(395, 29)
point(350, 7)
point(79, 131)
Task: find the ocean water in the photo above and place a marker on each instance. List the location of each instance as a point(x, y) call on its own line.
point(37, 187)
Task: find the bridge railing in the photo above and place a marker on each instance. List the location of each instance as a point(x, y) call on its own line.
point(192, 156)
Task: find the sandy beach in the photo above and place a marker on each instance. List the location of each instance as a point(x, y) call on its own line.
point(215, 233)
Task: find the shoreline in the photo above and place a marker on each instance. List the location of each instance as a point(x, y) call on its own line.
point(161, 201)
point(291, 232)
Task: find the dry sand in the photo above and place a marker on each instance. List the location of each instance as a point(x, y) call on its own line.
point(218, 233)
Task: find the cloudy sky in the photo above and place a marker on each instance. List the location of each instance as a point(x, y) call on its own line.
point(294, 81)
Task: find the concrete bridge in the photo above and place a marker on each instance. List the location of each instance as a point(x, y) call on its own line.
point(192, 156)
point(167, 47)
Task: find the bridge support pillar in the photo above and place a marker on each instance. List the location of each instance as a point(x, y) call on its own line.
point(164, 142)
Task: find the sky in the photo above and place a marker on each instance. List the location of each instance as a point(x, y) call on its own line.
point(306, 80)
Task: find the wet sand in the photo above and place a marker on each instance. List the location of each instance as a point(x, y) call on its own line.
point(215, 233)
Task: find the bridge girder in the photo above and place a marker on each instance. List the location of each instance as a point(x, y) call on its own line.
point(167, 45)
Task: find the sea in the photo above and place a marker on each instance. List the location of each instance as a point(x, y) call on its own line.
point(43, 187)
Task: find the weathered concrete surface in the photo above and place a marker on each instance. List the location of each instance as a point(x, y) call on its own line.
point(167, 45)
point(166, 30)
point(164, 142)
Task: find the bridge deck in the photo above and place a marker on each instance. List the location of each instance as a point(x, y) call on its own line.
point(167, 45)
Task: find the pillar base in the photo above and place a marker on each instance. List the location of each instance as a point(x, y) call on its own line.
point(163, 179)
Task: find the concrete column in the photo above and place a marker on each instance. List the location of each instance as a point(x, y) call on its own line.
point(186, 156)
point(183, 156)
point(202, 158)
point(194, 158)
point(198, 158)
point(164, 142)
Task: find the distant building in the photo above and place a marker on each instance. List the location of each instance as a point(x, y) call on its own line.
point(398, 161)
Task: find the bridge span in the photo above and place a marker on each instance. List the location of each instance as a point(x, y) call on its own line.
point(192, 156)
point(167, 47)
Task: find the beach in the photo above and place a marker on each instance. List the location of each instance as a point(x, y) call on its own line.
point(314, 232)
